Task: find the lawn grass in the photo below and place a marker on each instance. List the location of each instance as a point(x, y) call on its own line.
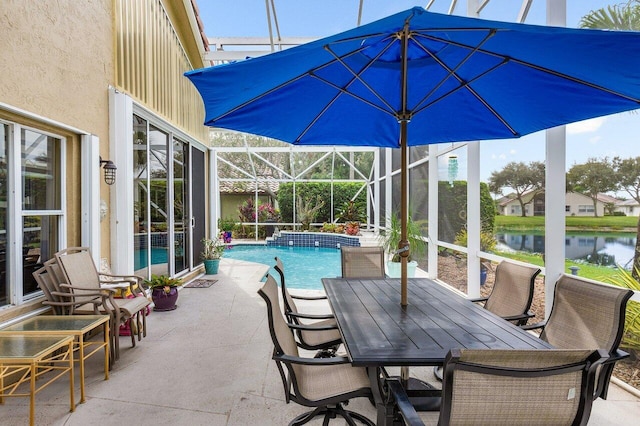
point(536, 223)
point(595, 272)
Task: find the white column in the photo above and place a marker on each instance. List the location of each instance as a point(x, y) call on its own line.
point(376, 190)
point(432, 263)
point(90, 195)
point(555, 189)
point(388, 187)
point(121, 153)
point(214, 195)
point(473, 219)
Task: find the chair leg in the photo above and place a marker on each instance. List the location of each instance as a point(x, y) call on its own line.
point(132, 331)
point(144, 322)
point(331, 413)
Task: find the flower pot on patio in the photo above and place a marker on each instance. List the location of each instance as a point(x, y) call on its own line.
point(163, 300)
point(394, 269)
point(211, 266)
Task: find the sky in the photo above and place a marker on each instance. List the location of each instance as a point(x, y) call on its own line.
point(610, 136)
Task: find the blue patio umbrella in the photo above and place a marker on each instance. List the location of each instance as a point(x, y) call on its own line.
point(418, 78)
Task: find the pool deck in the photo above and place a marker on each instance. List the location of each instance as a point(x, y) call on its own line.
point(209, 363)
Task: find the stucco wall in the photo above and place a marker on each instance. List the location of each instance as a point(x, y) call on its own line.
point(57, 62)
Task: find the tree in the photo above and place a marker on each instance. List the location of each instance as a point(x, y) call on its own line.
point(624, 17)
point(592, 178)
point(628, 173)
point(524, 179)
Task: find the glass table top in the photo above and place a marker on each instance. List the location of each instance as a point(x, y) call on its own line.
point(28, 346)
point(45, 323)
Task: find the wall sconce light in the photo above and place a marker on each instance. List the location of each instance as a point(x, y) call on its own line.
point(109, 171)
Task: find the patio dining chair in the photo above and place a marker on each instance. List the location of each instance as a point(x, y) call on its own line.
point(511, 295)
point(325, 384)
point(509, 387)
point(78, 275)
point(587, 314)
point(314, 331)
point(512, 292)
point(362, 262)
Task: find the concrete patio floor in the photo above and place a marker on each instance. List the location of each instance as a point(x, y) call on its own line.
point(209, 363)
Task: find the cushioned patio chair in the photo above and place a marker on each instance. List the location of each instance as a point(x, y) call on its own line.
point(587, 314)
point(65, 303)
point(362, 262)
point(510, 387)
point(511, 295)
point(512, 292)
point(80, 276)
point(323, 383)
point(320, 332)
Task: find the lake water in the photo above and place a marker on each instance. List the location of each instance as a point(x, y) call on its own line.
point(607, 249)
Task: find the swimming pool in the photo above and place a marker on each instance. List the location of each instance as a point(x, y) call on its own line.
point(304, 266)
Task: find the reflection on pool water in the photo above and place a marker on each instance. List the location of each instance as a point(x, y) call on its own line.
point(304, 266)
point(158, 256)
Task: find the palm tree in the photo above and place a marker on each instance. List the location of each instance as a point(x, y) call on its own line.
point(623, 17)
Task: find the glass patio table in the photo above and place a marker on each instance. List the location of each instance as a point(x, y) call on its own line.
point(29, 357)
point(76, 326)
point(378, 332)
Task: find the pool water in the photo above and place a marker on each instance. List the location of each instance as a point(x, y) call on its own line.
point(304, 267)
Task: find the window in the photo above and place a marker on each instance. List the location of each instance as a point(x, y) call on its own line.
point(34, 198)
point(585, 208)
point(567, 209)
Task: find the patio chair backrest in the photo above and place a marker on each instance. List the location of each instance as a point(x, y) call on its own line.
point(586, 314)
point(512, 291)
point(77, 265)
point(362, 262)
point(45, 281)
point(289, 303)
point(518, 387)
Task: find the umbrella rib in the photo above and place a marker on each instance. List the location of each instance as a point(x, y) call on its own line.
point(343, 90)
point(533, 66)
point(357, 74)
point(466, 85)
point(451, 72)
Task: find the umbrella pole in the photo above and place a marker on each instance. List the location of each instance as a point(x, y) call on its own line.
point(404, 216)
point(404, 187)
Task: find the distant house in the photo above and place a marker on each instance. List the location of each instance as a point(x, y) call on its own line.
point(576, 204)
point(510, 206)
point(628, 207)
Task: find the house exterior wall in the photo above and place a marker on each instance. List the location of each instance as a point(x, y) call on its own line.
point(59, 59)
point(581, 205)
point(57, 62)
point(155, 45)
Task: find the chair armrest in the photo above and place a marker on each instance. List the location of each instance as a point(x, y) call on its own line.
point(479, 299)
point(312, 328)
point(519, 317)
point(533, 326)
point(312, 361)
point(311, 316)
point(616, 356)
point(86, 290)
point(309, 297)
point(397, 396)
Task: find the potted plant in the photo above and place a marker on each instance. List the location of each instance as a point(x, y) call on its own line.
point(226, 225)
point(390, 240)
point(352, 214)
point(164, 292)
point(212, 251)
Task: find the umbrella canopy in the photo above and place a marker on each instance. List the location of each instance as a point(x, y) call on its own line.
point(418, 78)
